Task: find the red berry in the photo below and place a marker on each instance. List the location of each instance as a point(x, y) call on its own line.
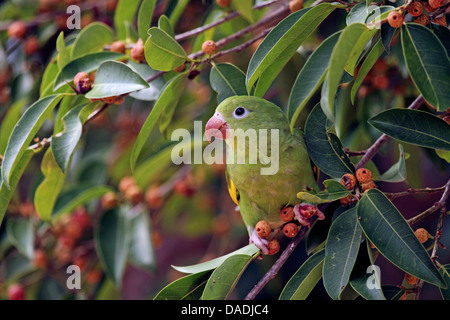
point(274, 246)
point(138, 51)
point(346, 200)
point(31, 46)
point(17, 29)
point(82, 82)
point(368, 185)
point(436, 3)
point(363, 175)
point(290, 230)
point(125, 183)
point(134, 194)
point(109, 200)
point(295, 5)
point(348, 180)
point(308, 211)
point(40, 258)
point(422, 234)
point(153, 197)
point(16, 292)
point(118, 46)
point(440, 20)
point(411, 279)
point(395, 19)
point(223, 3)
point(263, 229)
point(415, 8)
point(287, 214)
point(422, 19)
point(209, 47)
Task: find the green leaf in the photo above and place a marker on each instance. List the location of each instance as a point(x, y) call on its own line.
point(344, 57)
point(5, 192)
point(141, 251)
point(245, 8)
point(91, 39)
point(249, 250)
point(21, 234)
point(305, 279)
point(227, 80)
point(64, 144)
point(443, 154)
point(24, 132)
point(178, 11)
point(341, 250)
point(333, 191)
point(187, 288)
point(324, 148)
point(310, 78)
point(414, 127)
point(48, 78)
point(152, 93)
point(165, 25)
point(368, 63)
point(115, 78)
point(169, 96)
point(393, 237)
point(162, 52)
point(124, 15)
point(112, 242)
point(445, 273)
point(396, 173)
point(225, 277)
point(357, 14)
point(47, 192)
point(281, 44)
point(145, 15)
point(78, 196)
point(9, 121)
point(428, 64)
point(87, 63)
point(63, 56)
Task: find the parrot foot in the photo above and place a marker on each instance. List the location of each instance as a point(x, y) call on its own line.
point(305, 211)
point(262, 244)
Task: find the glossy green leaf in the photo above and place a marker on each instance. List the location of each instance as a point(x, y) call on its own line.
point(358, 13)
point(7, 193)
point(186, 288)
point(310, 78)
point(445, 273)
point(225, 277)
point(444, 36)
point(92, 39)
point(165, 24)
point(24, 132)
point(48, 79)
point(428, 64)
point(281, 44)
point(333, 191)
point(124, 15)
point(305, 279)
point(169, 96)
point(368, 63)
point(341, 250)
point(71, 199)
point(87, 63)
point(414, 127)
point(9, 121)
point(344, 57)
point(152, 93)
point(386, 228)
point(112, 242)
point(145, 15)
point(443, 154)
point(47, 192)
point(249, 250)
point(64, 143)
point(21, 234)
point(324, 148)
point(141, 252)
point(245, 8)
point(396, 173)
point(162, 52)
point(63, 56)
point(227, 80)
point(115, 78)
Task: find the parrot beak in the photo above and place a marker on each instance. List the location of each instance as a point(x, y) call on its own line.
point(216, 127)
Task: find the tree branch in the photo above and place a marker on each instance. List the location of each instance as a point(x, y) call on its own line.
point(412, 191)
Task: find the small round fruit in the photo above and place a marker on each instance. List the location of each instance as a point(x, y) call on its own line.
point(118, 46)
point(287, 214)
point(436, 3)
point(263, 229)
point(31, 46)
point(346, 200)
point(273, 246)
point(93, 276)
point(411, 279)
point(40, 259)
point(153, 197)
point(16, 292)
point(109, 200)
point(180, 68)
point(138, 51)
point(422, 19)
point(368, 185)
point(134, 194)
point(422, 234)
point(349, 181)
point(223, 3)
point(415, 8)
point(395, 19)
point(82, 82)
point(17, 29)
point(363, 175)
point(125, 183)
point(428, 8)
point(290, 230)
point(308, 211)
point(295, 5)
point(109, 100)
point(440, 20)
point(209, 47)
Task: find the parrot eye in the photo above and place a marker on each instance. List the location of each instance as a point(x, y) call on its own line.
point(240, 112)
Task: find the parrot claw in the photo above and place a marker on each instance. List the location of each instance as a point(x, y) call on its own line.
point(305, 211)
point(261, 243)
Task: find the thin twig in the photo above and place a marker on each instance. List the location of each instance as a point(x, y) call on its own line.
point(412, 191)
point(375, 148)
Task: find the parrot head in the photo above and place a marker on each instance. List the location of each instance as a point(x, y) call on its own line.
point(244, 112)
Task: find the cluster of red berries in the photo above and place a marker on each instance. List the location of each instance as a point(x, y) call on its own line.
point(420, 11)
point(363, 179)
point(294, 218)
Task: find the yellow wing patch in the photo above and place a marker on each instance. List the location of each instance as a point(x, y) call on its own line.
point(233, 192)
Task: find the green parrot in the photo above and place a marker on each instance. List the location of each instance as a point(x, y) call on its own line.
point(267, 164)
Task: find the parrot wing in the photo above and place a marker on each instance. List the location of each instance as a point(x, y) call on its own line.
point(234, 193)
